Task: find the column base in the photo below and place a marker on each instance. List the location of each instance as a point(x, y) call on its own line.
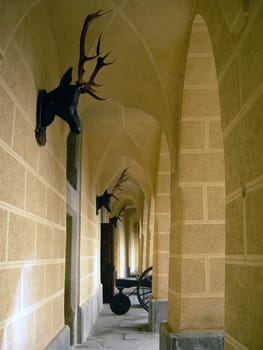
point(61, 340)
point(157, 314)
point(190, 340)
point(88, 314)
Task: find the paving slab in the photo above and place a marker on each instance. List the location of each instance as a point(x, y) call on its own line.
point(121, 332)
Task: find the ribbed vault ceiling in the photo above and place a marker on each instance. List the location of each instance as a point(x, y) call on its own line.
point(147, 40)
point(125, 131)
point(120, 138)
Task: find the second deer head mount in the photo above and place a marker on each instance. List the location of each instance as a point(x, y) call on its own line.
point(114, 219)
point(105, 199)
point(63, 100)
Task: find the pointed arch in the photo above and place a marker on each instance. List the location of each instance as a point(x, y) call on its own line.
point(196, 287)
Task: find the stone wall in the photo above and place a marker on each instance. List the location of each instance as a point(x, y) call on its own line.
point(238, 46)
point(32, 192)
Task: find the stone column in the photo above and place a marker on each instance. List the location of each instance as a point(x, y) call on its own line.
point(158, 304)
point(196, 273)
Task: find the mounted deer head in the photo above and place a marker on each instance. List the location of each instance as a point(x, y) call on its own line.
point(114, 220)
point(63, 100)
point(105, 199)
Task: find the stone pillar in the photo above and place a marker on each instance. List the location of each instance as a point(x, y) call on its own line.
point(196, 272)
point(72, 243)
point(158, 303)
point(157, 314)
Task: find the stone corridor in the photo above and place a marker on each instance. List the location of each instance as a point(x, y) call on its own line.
point(175, 149)
point(121, 332)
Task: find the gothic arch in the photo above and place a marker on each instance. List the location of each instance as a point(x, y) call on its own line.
point(196, 297)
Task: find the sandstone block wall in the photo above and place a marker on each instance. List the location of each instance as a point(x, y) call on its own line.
point(32, 188)
point(162, 225)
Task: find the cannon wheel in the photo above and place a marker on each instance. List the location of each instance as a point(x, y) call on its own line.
point(120, 304)
point(144, 288)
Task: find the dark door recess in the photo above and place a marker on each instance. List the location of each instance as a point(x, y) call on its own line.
point(107, 261)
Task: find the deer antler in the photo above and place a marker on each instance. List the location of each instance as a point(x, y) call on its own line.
point(118, 186)
point(114, 219)
point(89, 85)
point(121, 212)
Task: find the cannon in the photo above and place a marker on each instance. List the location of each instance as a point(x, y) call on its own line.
point(142, 286)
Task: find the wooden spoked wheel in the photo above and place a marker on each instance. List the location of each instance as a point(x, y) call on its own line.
point(144, 288)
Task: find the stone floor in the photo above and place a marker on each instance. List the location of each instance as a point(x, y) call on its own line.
point(125, 332)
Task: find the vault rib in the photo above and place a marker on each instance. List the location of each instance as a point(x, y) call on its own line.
point(150, 56)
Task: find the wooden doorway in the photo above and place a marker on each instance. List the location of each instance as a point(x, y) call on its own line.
point(107, 261)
